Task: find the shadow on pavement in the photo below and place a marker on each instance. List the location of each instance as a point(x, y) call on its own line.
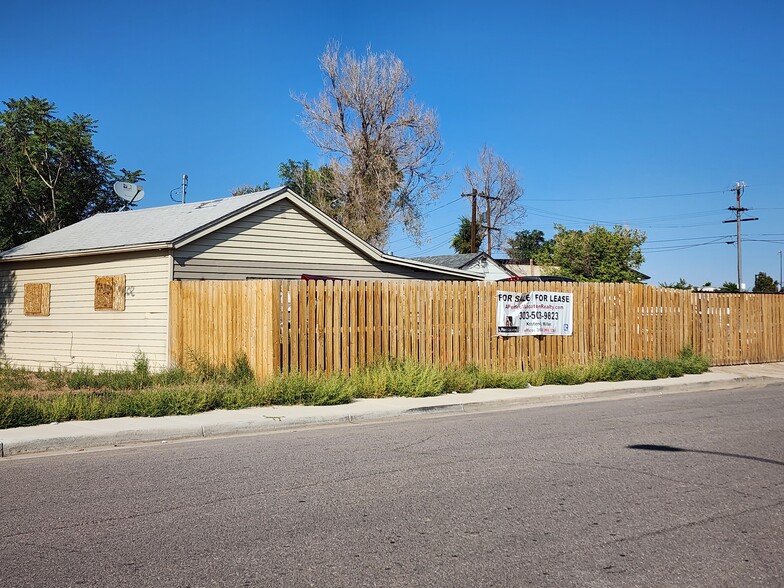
point(671, 449)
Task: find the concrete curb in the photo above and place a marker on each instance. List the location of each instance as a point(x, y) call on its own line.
point(600, 395)
point(83, 435)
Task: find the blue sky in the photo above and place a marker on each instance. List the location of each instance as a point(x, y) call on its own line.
point(638, 113)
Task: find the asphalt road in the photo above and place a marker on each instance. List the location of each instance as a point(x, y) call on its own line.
point(554, 496)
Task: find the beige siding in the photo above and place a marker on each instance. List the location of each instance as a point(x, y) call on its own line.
point(74, 334)
point(281, 242)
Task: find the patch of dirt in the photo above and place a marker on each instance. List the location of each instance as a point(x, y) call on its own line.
point(17, 383)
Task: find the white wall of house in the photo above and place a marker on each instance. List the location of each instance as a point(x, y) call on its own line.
point(489, 269)
point(74, 333)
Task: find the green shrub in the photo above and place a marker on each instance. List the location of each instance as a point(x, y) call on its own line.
point(12, 379)
point(498, 379)
point(54, 378)
point(241, 372)
point(691, 362)
point(141, 364)
point(173, 377)
point(20, 411)
point(330, 390)
point(563, 375)
point(461, 380)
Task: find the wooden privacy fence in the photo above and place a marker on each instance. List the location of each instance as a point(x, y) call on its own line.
point(328, 326)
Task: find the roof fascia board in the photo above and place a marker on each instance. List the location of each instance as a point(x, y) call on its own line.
point(87, 252)
point(461, 273)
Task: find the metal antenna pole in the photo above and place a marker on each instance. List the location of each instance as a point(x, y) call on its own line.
point(184, 186)
point(781, 272)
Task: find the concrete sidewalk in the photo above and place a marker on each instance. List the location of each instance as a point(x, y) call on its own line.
point(81, 435)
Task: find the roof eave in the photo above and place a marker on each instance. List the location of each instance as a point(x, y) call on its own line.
point(442, 269)
point(87, 252)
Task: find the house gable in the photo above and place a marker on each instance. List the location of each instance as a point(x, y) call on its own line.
point(282, 240)
point(488, 268)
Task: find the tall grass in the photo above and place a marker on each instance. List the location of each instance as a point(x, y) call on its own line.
point(86, 394)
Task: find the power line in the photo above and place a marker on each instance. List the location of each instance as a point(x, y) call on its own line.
point(434, 247)
point(442, 206)
point(414, 246)
point(628, 197)
point(665, 248)
point(766, 240)
point(640, 221)
point(426, 215)
point(688, 238)
point(450, 225)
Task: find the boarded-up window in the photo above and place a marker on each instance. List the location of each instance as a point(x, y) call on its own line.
point(110, 292)
point(36, 299)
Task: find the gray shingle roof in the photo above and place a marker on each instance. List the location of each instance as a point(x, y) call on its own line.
point(140, 228)
point(456, 261)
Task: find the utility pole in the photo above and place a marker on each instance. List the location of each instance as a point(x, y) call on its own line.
point(489, 228)
point(472, 195)
point(738, 209)
point(781, 273)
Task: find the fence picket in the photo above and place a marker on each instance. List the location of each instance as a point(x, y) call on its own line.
point(286, 326)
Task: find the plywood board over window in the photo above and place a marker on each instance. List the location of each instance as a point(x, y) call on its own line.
point(36, 299)
point(110, 292)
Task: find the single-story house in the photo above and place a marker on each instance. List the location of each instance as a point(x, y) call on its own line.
point(480, 263)
point(97, 292)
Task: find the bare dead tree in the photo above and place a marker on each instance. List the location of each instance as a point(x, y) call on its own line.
point(500, 184)
point(382, 146)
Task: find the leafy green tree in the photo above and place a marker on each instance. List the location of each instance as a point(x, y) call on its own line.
point(51, 174)
point(316, 185)
point(461, 242)
point(526, 244)
point(729, 287)
point(764, 284)
point(595, 255)
point(681, 284)
point(249, 189)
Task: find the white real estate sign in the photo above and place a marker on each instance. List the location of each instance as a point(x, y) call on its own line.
point(534, 313)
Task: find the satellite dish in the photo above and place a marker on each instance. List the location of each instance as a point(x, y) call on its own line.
point(129, 192)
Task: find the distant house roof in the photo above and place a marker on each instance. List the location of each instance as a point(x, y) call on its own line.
point(169, 227)
point(456, 261)
point(479, 261)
